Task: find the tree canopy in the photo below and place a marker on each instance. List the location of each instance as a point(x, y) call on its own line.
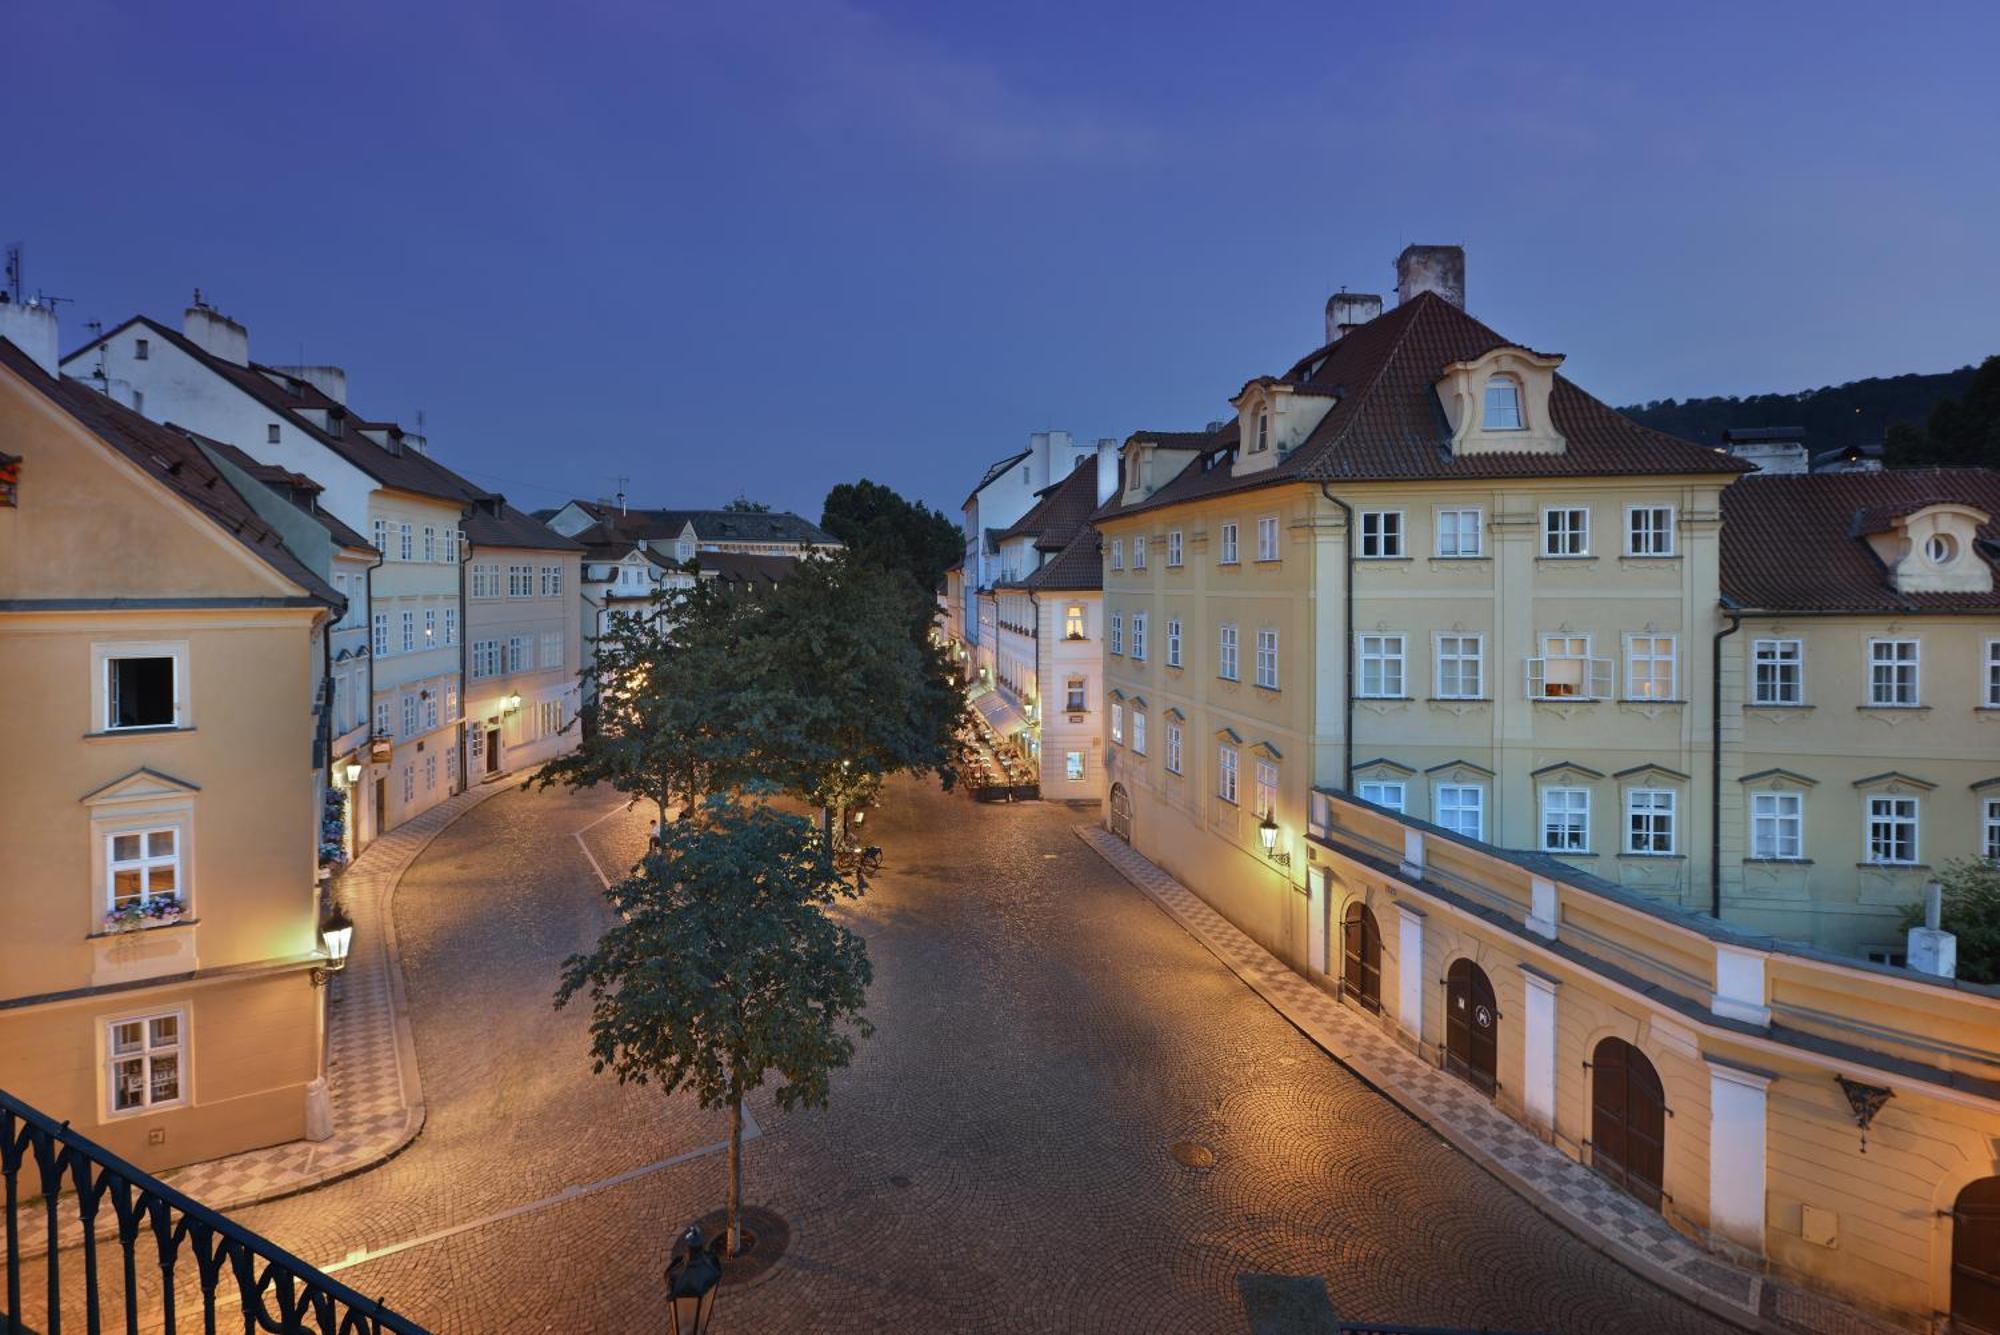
point(1962, 432)
point(884, 529)
point(1971, 912)
point(1861, 412)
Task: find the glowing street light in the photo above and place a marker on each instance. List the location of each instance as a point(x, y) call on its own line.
point(338, 934)
point(1267, 832)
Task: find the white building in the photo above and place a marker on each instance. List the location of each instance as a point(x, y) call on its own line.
point(523, 640)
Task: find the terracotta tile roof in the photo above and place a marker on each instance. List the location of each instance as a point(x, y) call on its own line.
point(284, 480)
point(1054, 519)
point(746, 570)
point(709, 526)
point(1387, 424)
point(495, 523)
point(1079, 566)
point(173, 459)
point(1796, 541)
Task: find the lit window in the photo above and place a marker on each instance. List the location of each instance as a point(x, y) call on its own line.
point(145, 1057)
point(1074, 701)
point(1566, 671)
point(1267, 538)
point(142, 865)
point(1649, 822)
point(1649, 530)
point(1382, 792)
point(1503, 404)
point(1173, 748)
point(1174, 546)
point(1225, 773)
point(1267, 659)
point(1073, 766)
point(1461, 808)
point(1228, 545)
point(1565, 820)
point(1892, 673)
point(1173, 642)
point(1777, 825)
point(1461, 667)
point(1139, 732)
point(1225, 666)
point(140, 692)
point(1117, 722)
point(1266, 778)
point(1460, 533)
point(1649, 667)
point(1892, 829)
point(1566, 532)
point(1777, 674)
point(1382, 667)
point(1381, 534)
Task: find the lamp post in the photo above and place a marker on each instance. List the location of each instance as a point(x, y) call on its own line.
point(353, 773)
point(692, 1278)
point(1267, 832)
point(338, 934)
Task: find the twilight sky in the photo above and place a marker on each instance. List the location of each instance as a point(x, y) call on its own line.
point(769, 245)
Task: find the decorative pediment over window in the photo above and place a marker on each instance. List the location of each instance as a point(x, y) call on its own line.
point(1650, 774)
point(1268, 751)
point(1930, 549)
point(1382, 768)
point(1173, 712)
point(1230, 735)
point(1565, 771)
point(1459, 771)
point(141, 785)
point(1779, 778)
point(1895, 781)
point(1273, 418)
point(1499, 403)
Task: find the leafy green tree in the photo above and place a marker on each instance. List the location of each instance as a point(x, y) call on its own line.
point(884, 529)
point(743, 505)
point(723, 968)
point(1971, 912)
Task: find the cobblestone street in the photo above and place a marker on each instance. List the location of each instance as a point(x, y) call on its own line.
point(999, 1158)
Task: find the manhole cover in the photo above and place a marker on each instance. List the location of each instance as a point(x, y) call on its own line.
point(1193, 1154)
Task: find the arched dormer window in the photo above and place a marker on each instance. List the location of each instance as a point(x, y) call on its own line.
point(1263, 430)
point(1503, 404)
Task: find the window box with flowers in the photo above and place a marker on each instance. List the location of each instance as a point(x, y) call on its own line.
point(138, 914)
point(333, 832)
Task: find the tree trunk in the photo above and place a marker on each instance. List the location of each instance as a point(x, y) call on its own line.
point(735, 1174)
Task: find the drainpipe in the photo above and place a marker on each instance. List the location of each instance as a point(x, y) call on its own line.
point(464, 640)
point(1347, 653)
point(368, 705)
point(1715, 766)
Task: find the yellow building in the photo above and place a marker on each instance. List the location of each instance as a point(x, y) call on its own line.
point(163, 656)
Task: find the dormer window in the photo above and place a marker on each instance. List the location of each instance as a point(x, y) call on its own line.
point(1941, 549)
point(1263, 430)
point(1503, 404)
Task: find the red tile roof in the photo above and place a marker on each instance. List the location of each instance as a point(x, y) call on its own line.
point(1078, 567)
point(1063, 508)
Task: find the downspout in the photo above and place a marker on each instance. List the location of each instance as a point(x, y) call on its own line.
point(368, 706)
point(1347, 650)
point(1715, 765)
point(464, 639)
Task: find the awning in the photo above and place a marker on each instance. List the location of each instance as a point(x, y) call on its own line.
point(1001, 712)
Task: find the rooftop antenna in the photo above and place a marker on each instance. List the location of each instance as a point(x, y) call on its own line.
point(621, 493)
point(14, 272)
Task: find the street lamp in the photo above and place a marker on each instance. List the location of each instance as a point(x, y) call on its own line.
point(338, 933)
point(353, 773)
point(514, 703)
point(692, 1277)
point(1267, 831)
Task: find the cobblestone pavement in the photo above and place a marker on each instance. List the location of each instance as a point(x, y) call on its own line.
point(999, 1158)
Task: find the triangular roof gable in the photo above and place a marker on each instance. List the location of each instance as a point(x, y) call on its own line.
point(141, 785)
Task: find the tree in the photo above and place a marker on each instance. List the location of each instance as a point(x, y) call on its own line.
point(722, 967)
point(883, 529)
point(743, 505)
point(1971, 912)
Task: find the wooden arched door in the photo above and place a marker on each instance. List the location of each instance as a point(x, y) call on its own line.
point(1121, 812)
point(1471, 1027)
point(1628, 1119)
point(1361, 956)
point(1975, 1258)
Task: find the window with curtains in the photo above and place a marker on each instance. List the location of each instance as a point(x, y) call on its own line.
point(1892, 829)
point(1460, 532)
point(1777, 672)
point(1777, 826)
point(1226, 653)
point(1461, 667)
point(1225, 773)
point(1892, 674)
point(1649, 667)
point(1565, 820)
point(1381, 667)
point(1649, 821)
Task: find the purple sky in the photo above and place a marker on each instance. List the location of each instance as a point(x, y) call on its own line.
point(766, 246)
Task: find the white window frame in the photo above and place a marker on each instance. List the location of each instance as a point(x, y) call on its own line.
point(1139, 551)
point(1777, 653)
point(1226, 553)
point(1138, 731)
point(1894, 663)
point(1264, 780)
point(1777, 825)
point(1643, 812)
point(1118, 723)
point(382, 719)
point(1461, 661)
point(1228, 643)
point(409, 630)
point(1388, 654)
point(430, 544)
point(1176, 548)
point(1593, 677)
point(1455, 549)
point(412, 715)
point(1884, 814)
point(1073, 621)
point(552, 649)
point(1073, 766)
point(1138, 654)
point(1384, 535)
point(1579, 537)
point(145, 1054)
point(405, 544)
point(1117, 632)
point(1173, 642)
point(1516, 393)
point(1225, 772)
point(1118, 553)
point(105, 652)
point(1989, 829)
point(1173, 748)
point(1992, 666)
point(1648, 687)
point(1390, 793)
point(1263, 437)
point(1651, 538)
point(1565, 819)
point(1267, 658)
point(430, 627)
point(1450, 804)
point(1267, 537)
point(1076, 695)
point(146, 862)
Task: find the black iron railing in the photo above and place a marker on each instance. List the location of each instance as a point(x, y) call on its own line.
point(65, 1184)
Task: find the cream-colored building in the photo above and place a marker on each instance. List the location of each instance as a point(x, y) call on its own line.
point(163, 654)
point(524, 645)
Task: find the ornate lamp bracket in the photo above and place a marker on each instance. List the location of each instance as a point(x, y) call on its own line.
point(1865, 1101)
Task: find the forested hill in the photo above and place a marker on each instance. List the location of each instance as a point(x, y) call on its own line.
point(1859, 413)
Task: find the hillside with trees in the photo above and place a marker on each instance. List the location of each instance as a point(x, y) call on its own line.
point(1834, 416)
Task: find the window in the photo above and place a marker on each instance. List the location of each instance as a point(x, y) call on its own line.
point(1118, 553)
point(410, 716)
point(1117, 632)
point(1381, 534)
point(1892, 673)
point(485, 659)
point(381, 525)
point(1263, 432)
point(430, 773)
point(451, 702)
point(552, 649)
point(1459, 533)
point(409, 783)
point(1777, 672)
point(1892, 829)
point(404, 542)
point(1228, 545)
point(1073, 766)
point(1649, 667)
point(139, 401)
point(551, 718)
point(520, 581)
point(1173, 748)
point(141, 349)
point(517, 653)
point(1074, 695)
point(1503, 404)
point(1073, 622)
point(1649, 530)
point(382, 718)
point(141, 692)
point(1139, 637)
point(145, 1061)
point(451, 539)
point(1174, 548)
point(1566, 532)
point(410, 631)
point(1777, 825)
point(140, 865)
point(1117, 722)
point(1266, 778)
point(485, 580)
point(1461, 667)
point(1649, 822)
point(1225, 660)
point(1993, 674)
point(552, 581)
point(1566, 671)
point(1382, 792)
point(271, 438)
point(430, 709)
point(1565, 820)
point(1382, 667)
point(1939, 549)
point(1225, 773)
point(1461, 808)
point(1173, 642)
point(1139, 552)
point(1267, 659)
point(430, 627)
point(451, 625)
point(1989, 841)
point(1139, 732)
point(430, 543)
point(1267, 538)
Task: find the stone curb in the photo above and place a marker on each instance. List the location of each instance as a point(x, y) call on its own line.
point(1645, 1267)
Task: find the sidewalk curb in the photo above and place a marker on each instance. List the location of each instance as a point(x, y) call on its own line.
point(1662, 1277)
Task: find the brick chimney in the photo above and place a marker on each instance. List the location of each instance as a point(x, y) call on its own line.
point(1439, 269)
point(215, 333)
point(31, 327)
point(1346, 311)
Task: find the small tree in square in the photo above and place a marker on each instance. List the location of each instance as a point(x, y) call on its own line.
point(724, 969)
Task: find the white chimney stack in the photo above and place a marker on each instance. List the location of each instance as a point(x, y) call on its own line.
point(328, 380)
point(1439, 269)
point(1107, 469)
point(1346, 311)
point(1930, 949)
point(215, 333)
point(31, 327)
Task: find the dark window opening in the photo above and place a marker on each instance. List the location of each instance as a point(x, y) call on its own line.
point(142, 693)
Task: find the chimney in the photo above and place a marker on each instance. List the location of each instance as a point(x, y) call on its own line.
point(328, 380)
point(1107, 469)
point(215, 333)
point(1439, 269)
point(1346, 311)
point(31, 327)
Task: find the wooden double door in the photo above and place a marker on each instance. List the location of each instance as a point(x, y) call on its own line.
point(1361, 957)
point(1975, 1258)
point(1628, 1120)
point(1471, 1027)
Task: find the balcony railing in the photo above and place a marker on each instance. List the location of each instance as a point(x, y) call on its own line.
point(62, 1190)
